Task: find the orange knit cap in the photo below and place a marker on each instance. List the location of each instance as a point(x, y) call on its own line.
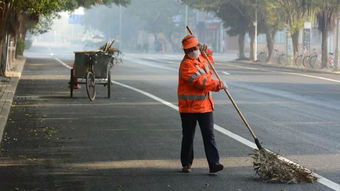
point(189, 41)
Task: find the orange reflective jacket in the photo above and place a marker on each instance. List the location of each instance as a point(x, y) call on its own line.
point(194, 85)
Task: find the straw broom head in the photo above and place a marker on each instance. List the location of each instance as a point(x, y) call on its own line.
point(270, 168)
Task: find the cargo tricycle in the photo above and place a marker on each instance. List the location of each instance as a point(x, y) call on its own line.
point(92, 68)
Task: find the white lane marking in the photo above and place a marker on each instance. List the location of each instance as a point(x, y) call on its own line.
point(321, 179)
point(217, 127)
point(148, 95)
point(287, 95)
point(63, 63)
point(244, 67)
point(291, 73)
point(316, 77)
point(235, 137)
point(226, 73)
point(250, 68)
point(147, 63)
point(330, 184)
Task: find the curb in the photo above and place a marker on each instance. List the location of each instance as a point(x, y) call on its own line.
point(8, 92)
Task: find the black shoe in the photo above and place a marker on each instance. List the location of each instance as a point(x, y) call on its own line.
point(186, 169)
point(215, 168)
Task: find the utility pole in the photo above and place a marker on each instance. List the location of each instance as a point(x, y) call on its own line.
point(255, 34)
point(337, 43)
point(120, 26)
point(287, 44)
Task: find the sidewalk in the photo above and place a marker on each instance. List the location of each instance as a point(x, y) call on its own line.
point(8, 87)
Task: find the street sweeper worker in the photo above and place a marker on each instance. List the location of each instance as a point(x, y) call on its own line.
point(195, 103)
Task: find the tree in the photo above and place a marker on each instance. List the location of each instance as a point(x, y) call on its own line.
point(18, 16)
point(236, 23)
point(326, 16)
point(272, 22)
point(13, 14)
point(294, 13)
point(160, 22)
point(137, 17)
point(237, 17)
point(245, 10)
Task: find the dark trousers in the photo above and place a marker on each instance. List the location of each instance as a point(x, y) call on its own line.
point(206, 123)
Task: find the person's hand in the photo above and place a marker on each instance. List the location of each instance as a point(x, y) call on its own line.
point(203, 47)
point(225, 86)
point(222, 85)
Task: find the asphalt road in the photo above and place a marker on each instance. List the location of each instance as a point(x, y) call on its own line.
point(132, 141)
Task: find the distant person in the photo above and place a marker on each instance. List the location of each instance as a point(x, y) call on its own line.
point(195, 103)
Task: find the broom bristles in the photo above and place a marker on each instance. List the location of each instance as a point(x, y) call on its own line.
point(270, 167)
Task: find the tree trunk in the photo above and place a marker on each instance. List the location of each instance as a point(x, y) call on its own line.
point(324, 50)
point(295, 41)
point(327, 19)
point(270, 43)
point(3, 23)
point(252, 41)
point(3, 55)
point(2, 67)
point(241, 38)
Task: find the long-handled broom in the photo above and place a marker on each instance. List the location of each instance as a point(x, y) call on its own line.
point(268, 165)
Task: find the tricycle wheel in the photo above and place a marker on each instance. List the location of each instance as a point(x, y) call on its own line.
point(109, 85)
point(71, 84)
point(90, 86)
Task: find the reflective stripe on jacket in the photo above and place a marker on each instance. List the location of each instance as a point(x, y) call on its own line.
point(194, 85)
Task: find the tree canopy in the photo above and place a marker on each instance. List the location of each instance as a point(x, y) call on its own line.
point(15, 12)
point(18, 16)
point(156, 17)
point(273, 15)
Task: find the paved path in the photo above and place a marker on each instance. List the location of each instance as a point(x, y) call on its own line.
point(7, 90)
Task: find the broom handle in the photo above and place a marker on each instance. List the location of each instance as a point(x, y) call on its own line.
point(231, 98)
point(189, 30)
point(111, 44)
point(257, 142)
